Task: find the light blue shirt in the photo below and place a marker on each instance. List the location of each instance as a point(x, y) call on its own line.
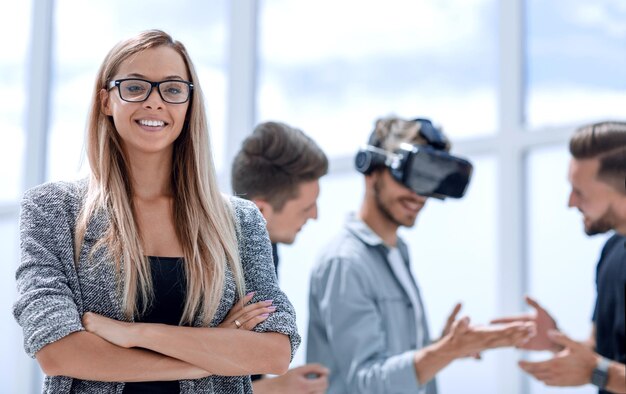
point(363, 324)
point(401, 271)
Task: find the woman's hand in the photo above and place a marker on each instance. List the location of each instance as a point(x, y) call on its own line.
point(247, 316)
point(117, 332)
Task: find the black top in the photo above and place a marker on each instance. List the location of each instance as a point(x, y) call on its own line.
point(610, 309)
point(275, 258)
point(168, 280)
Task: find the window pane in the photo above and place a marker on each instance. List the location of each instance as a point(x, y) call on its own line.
point(441, 270)
point(332, 67)
point(81, 45)
point(13, 68)
point(15, 365)
point(455, 240)
point(576, 61)
point(562, 259)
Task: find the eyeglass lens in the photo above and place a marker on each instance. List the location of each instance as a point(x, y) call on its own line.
point(139, 90)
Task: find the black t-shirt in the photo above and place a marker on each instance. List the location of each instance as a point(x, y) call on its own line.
point(610, 309)
point(168, 280)
point(275, 257)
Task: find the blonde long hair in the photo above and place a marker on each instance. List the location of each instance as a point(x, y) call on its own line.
point(203, 217)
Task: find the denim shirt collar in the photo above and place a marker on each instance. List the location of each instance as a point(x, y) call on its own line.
point(363, 232)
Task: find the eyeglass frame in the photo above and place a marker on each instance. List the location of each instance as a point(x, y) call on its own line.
point(116, 83)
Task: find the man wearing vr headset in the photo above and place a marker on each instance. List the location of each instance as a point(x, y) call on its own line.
point(367, 321)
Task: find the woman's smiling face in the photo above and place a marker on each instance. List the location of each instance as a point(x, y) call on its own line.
point(153, 125)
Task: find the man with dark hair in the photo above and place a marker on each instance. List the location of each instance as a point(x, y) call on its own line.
point(367, 322)
point(278, 168)
point(597, 173)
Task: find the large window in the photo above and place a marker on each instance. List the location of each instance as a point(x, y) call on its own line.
point(576, 61)
point(15, 28)
point(13, 85)
point(81, 45)
point(332, 67)
point(14, 363)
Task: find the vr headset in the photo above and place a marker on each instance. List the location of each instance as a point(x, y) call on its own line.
point(428, 170)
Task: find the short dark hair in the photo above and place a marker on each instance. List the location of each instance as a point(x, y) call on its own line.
point(273, 161)
point(605, 141)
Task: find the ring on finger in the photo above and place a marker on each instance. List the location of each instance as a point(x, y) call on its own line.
point(237, 323)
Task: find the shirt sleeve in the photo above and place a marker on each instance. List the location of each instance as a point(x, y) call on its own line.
point(45, 307)
point(354, 327)
point(255, 252)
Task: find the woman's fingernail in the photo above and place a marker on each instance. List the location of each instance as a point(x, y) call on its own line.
point(265, 315)
point(268, 302)
point(272, 308)
point(250, 294)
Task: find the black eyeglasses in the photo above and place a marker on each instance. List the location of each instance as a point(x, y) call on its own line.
point(135, 90)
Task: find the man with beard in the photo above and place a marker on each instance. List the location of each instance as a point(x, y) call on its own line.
point(597, 173)
point(367, 322)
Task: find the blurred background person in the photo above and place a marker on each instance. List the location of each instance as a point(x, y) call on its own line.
point(278, 168)
point(597, 174)
point(367, 321)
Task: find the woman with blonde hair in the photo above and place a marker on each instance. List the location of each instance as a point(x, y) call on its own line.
point(125, 276)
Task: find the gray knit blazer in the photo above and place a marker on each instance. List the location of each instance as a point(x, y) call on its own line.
point(53, 294)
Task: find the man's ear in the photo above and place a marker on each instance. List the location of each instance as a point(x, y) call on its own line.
point(105, 104)
point(370, 182)
point(264, 206)
point(371, 178)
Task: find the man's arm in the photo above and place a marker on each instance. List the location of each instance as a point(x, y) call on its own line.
point(354, 326)
point(345, 316)
point(573, 366)
point(86, 356)
point(463, 341)
point(309, 378)
point(617, 378)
